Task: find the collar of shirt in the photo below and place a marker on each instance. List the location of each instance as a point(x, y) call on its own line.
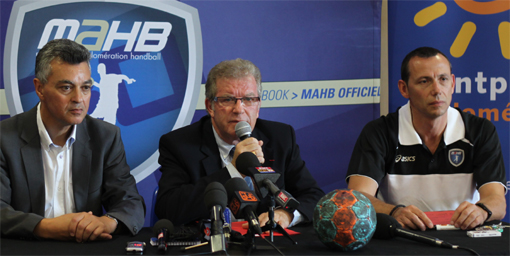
point(46, 141)
point(226, 159)
point(407, 135)
point(223, 147)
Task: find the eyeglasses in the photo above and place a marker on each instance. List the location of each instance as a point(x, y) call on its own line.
point(231, 101)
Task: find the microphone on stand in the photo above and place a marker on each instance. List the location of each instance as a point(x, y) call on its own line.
point(243, 202)
point(283, 198)
point(249, 165)
point(388, 227)
point(215, 198)
point(162, 229)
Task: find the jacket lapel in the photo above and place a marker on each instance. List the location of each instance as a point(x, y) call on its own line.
point(82, 157)
point(32, 160)
point(266, 148)
point(212, 160)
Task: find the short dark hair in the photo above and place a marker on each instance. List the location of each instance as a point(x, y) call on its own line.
point(63, 49)
point(422, 52)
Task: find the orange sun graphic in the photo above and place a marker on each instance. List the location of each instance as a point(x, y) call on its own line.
point(468, 29)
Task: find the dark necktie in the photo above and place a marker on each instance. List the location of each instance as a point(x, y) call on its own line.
point(247, 178)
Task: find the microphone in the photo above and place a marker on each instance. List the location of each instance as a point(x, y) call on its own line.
point(265, 177)
point(283, 198)
point(215, 198)
point(242, 202)
point(243, 130)
point(388, 227)
point(249, 165)
point(162, 228)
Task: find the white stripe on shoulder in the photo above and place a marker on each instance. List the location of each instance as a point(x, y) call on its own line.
point(407, 135)
point(455, 129)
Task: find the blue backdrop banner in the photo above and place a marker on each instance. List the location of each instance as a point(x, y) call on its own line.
point(319, 62)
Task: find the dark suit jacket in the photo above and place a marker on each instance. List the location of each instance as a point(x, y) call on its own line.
point(190, 160)
point(101, 176)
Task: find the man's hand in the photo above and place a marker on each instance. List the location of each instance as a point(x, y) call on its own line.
point(82, 227)
point(282, 217)
point(412, 218)
point(409, 217)
point(468, 216)
point(249, 145)
point(90, 227)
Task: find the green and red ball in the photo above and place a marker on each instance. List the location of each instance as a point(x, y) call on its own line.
point(345, 220)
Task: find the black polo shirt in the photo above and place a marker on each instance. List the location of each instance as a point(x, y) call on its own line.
point(390, 151)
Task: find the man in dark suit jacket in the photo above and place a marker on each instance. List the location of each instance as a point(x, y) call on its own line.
point(196, 155)
point(94, 166)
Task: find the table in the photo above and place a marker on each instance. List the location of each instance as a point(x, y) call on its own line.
point(308, 244)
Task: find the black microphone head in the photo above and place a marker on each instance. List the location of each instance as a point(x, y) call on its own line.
point(215, 194)
point(243, 129)
point(163, 223)
point(386, 226)
point(236, 184)
point(246, 162)
point(242, 202)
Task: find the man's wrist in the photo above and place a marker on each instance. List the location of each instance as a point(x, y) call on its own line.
point(290, 214)
point(489, 212)
point(116, 222)
point(396, 208)
point(40, 229)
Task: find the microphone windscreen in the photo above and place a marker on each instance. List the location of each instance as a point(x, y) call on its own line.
point(386, 226)
point(163, 223)
point(236, 184)
point(243, 129)
point(215, 194)
point(245, 163)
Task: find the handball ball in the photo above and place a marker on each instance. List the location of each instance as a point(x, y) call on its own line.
point(344, 220)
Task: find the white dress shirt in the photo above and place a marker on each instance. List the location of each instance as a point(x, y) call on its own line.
point(57, 162)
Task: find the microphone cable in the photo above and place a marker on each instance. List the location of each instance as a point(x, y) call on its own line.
point(468, 249)
point(388, 227)
point(276, 248)
point(451, 246)
point(270, 243)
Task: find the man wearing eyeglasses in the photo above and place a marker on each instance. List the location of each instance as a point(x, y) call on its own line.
point(198, 154)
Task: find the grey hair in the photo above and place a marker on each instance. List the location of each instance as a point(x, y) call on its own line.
point(236, 69)
point(62, 49)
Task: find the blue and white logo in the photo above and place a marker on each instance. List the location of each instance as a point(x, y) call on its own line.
point(456, 156)
point(146, 64)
